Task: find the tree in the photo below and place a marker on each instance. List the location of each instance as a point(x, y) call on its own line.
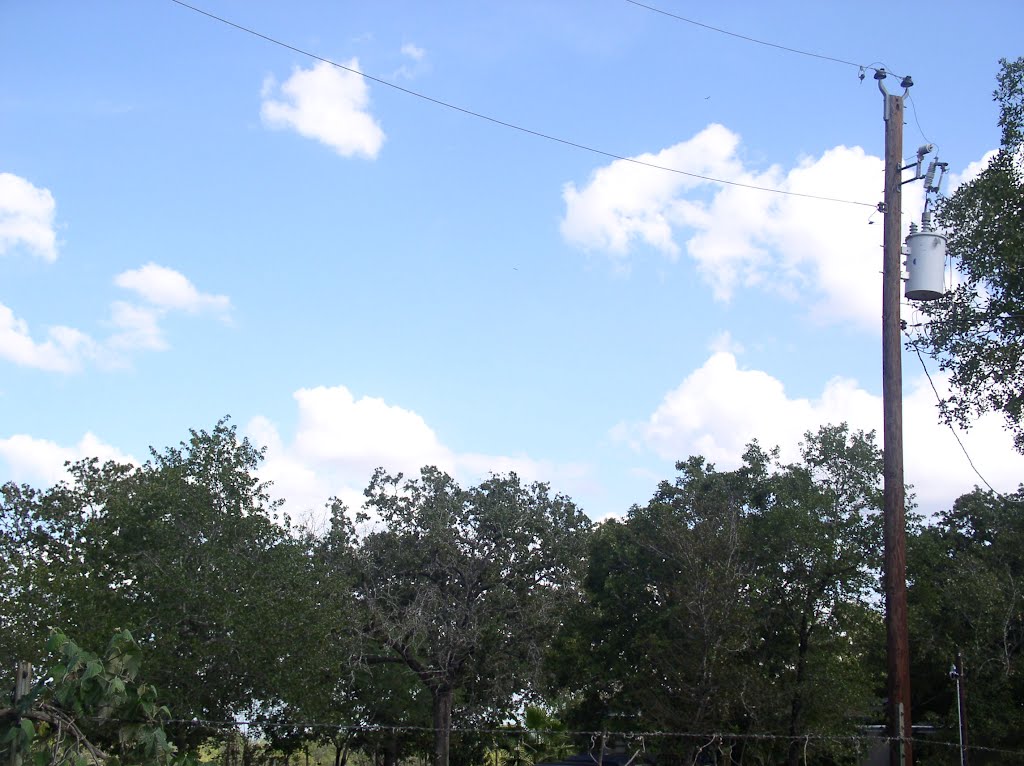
point(185, 551)
point(37, 577)
point(656, 644)
point(462, 587)
point(966, 595)
point(815, 534)
point(737, 601)
point(976, 331)
point(90, 710)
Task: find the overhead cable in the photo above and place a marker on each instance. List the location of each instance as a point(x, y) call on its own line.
point(786, 48)
point(938, 398)
point(520, 128)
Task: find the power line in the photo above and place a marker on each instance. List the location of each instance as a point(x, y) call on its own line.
point(788, 49)
point(513, 126)
point(920, 130)
point(737, 35)
point(938, 398)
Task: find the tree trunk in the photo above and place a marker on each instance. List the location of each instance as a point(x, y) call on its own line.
point(796, 709)
point(442, 723)
point(391, 751)
point(340, 751)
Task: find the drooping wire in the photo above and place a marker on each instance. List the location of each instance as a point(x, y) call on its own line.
point(513, 126)
point(756, 40)
point(938, 398)
point(913, 108)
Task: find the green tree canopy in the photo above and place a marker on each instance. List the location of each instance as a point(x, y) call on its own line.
point(463, 587)
point(966, 594)
point(185, 551)
point(976, 331)
point(737, 601)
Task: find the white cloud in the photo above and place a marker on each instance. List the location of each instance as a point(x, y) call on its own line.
point(136, 327)
point(40, 462)
point(720, 407)
point(418, 57)
point(169, 289)
point(26, 218)
point(356, 435)
point(64, 349)
point(822, 253)
point(162, 290)
point(327, 104)
point(725, 342)
point(972, 171)
point(339, 440)
point(415, 52)
point(625, 202)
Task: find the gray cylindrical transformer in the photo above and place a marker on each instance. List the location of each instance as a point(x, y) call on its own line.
point(926, 266)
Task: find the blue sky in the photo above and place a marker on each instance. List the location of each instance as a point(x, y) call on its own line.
point(195, 222)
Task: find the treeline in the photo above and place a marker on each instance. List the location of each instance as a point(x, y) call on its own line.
point(439, 622)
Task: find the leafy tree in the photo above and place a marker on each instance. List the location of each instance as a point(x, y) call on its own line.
point(966, 594)
point(91, 711)
point(462, 587)
point(185, 551)
point(976, 331)
point(37, 573)
point(815, 534)
point(656, 644)
point(738, 602)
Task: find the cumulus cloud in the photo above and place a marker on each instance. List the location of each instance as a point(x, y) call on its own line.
point(138, 327)
point(415, 52)
point(725, 342)
point(26, 218)
point(64, 349)
point(135, 326)
point(327, 104)
point(972, 171)
point(40, 462)
point(418, 58)
point(356, 435)
point(742, 238)
point(340, 439)
point(168, 289)
point(161, 290)
point(720, 407)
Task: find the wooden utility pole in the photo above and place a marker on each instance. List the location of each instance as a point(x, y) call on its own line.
point(894, 513)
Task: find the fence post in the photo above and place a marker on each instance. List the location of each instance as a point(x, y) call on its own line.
point(22, 685)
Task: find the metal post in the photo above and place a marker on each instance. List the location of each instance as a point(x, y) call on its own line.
point(961, 707)
point(895, 565)
point(22, 686)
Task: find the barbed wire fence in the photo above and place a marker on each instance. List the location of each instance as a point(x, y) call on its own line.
point(642, 738)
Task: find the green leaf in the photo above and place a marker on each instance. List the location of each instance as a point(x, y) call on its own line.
point(92, 669)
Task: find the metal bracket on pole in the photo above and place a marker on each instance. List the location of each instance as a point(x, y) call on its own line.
point(880, 75)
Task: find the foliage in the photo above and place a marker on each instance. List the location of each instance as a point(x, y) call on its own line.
point(967, 594)
point(736, 601)
point(976, 331)
point(185, 552)
point(91, 710)
point(741, 602)
point(462, 587)
point(815, 533)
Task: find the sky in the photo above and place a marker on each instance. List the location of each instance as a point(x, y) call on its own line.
point(363, 271)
